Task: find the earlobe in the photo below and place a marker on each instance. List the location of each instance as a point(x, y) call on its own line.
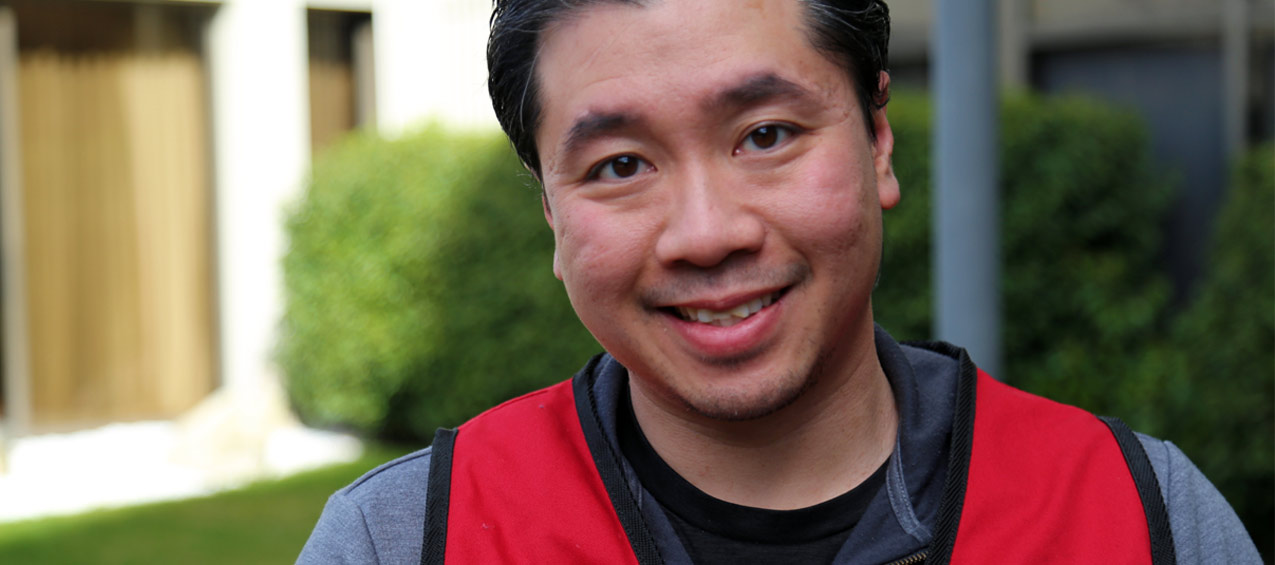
point(888, 190)
point(887, 183)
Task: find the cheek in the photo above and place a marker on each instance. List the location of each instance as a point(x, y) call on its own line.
point(835, 210)
point(600, 253)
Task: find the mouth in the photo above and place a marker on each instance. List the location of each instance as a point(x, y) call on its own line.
point(728, 317)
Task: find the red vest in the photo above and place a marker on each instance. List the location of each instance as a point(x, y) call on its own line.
point(1034, 481)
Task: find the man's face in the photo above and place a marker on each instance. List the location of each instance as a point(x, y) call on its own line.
point(714, 197)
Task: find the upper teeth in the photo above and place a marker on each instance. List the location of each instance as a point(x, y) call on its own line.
point(726, 317)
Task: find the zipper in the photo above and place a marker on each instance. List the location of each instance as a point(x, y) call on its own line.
point(914, 559)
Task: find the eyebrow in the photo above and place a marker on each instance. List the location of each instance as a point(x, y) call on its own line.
point(596, 125)
point(754, 90)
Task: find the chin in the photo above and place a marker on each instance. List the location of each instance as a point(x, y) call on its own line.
point(752, 403)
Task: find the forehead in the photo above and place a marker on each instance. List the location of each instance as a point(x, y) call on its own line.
point(666, 57)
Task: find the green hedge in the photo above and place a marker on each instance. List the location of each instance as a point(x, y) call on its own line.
point(419, 286)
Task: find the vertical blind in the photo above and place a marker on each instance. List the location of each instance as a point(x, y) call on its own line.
point(117, 218)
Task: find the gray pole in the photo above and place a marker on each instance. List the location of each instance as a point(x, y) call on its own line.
point(966, 203)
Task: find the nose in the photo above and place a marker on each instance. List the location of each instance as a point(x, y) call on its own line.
point(708, 220)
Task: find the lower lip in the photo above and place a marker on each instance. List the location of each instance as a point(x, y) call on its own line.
point(734, 341)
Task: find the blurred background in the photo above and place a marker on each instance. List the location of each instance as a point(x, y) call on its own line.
point(239, 237)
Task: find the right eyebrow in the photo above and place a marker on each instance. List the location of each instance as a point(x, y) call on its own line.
point(595, 125)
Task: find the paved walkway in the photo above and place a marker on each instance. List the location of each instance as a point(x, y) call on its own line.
point(124, 464)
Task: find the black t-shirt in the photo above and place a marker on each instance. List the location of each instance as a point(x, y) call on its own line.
point(716, 531)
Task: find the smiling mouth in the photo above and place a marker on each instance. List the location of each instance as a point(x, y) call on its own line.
point(726, 318)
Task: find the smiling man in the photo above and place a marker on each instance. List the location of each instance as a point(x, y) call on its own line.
point(715, 173)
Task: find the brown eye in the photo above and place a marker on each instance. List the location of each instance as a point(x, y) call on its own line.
point(621, 167)
point(624, 166)
point(764, 137)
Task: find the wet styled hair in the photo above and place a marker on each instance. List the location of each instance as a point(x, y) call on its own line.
point(855, 34)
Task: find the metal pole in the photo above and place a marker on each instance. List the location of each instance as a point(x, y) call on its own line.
point(966, 203)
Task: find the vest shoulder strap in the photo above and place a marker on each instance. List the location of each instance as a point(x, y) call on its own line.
point(438, 492)
point(1162, 549)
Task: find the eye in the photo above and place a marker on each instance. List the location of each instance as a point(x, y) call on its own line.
point(765, 137)
point(617, 168)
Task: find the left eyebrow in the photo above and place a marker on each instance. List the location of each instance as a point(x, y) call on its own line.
point(754, 90)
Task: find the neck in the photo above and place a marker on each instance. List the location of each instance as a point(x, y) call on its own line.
point(822, 445)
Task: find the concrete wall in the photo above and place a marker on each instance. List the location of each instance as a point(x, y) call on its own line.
point(431, 63)
point(261, 137)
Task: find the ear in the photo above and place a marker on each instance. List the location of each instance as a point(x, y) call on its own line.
point(882, 149)
point(544, 201)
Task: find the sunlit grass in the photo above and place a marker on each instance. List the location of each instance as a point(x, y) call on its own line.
point(266, 522)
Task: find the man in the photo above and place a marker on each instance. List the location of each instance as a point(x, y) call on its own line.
point(714, 173)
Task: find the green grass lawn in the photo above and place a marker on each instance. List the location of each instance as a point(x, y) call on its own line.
point(266, 522)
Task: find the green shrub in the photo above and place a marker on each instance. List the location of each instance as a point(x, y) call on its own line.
point(419, 286)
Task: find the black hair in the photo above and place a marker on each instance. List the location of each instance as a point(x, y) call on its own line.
point(853, 33)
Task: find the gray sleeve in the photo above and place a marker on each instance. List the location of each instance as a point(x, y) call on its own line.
point(379, 518)
point(1205, 528)
point(341, 536)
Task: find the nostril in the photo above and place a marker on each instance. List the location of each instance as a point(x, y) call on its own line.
point(707, 244)
point(708, 219)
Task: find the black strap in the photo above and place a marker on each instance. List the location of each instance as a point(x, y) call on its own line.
point(958, 463)
point(1162, 551)
point(607, 460)
point(434, 542)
